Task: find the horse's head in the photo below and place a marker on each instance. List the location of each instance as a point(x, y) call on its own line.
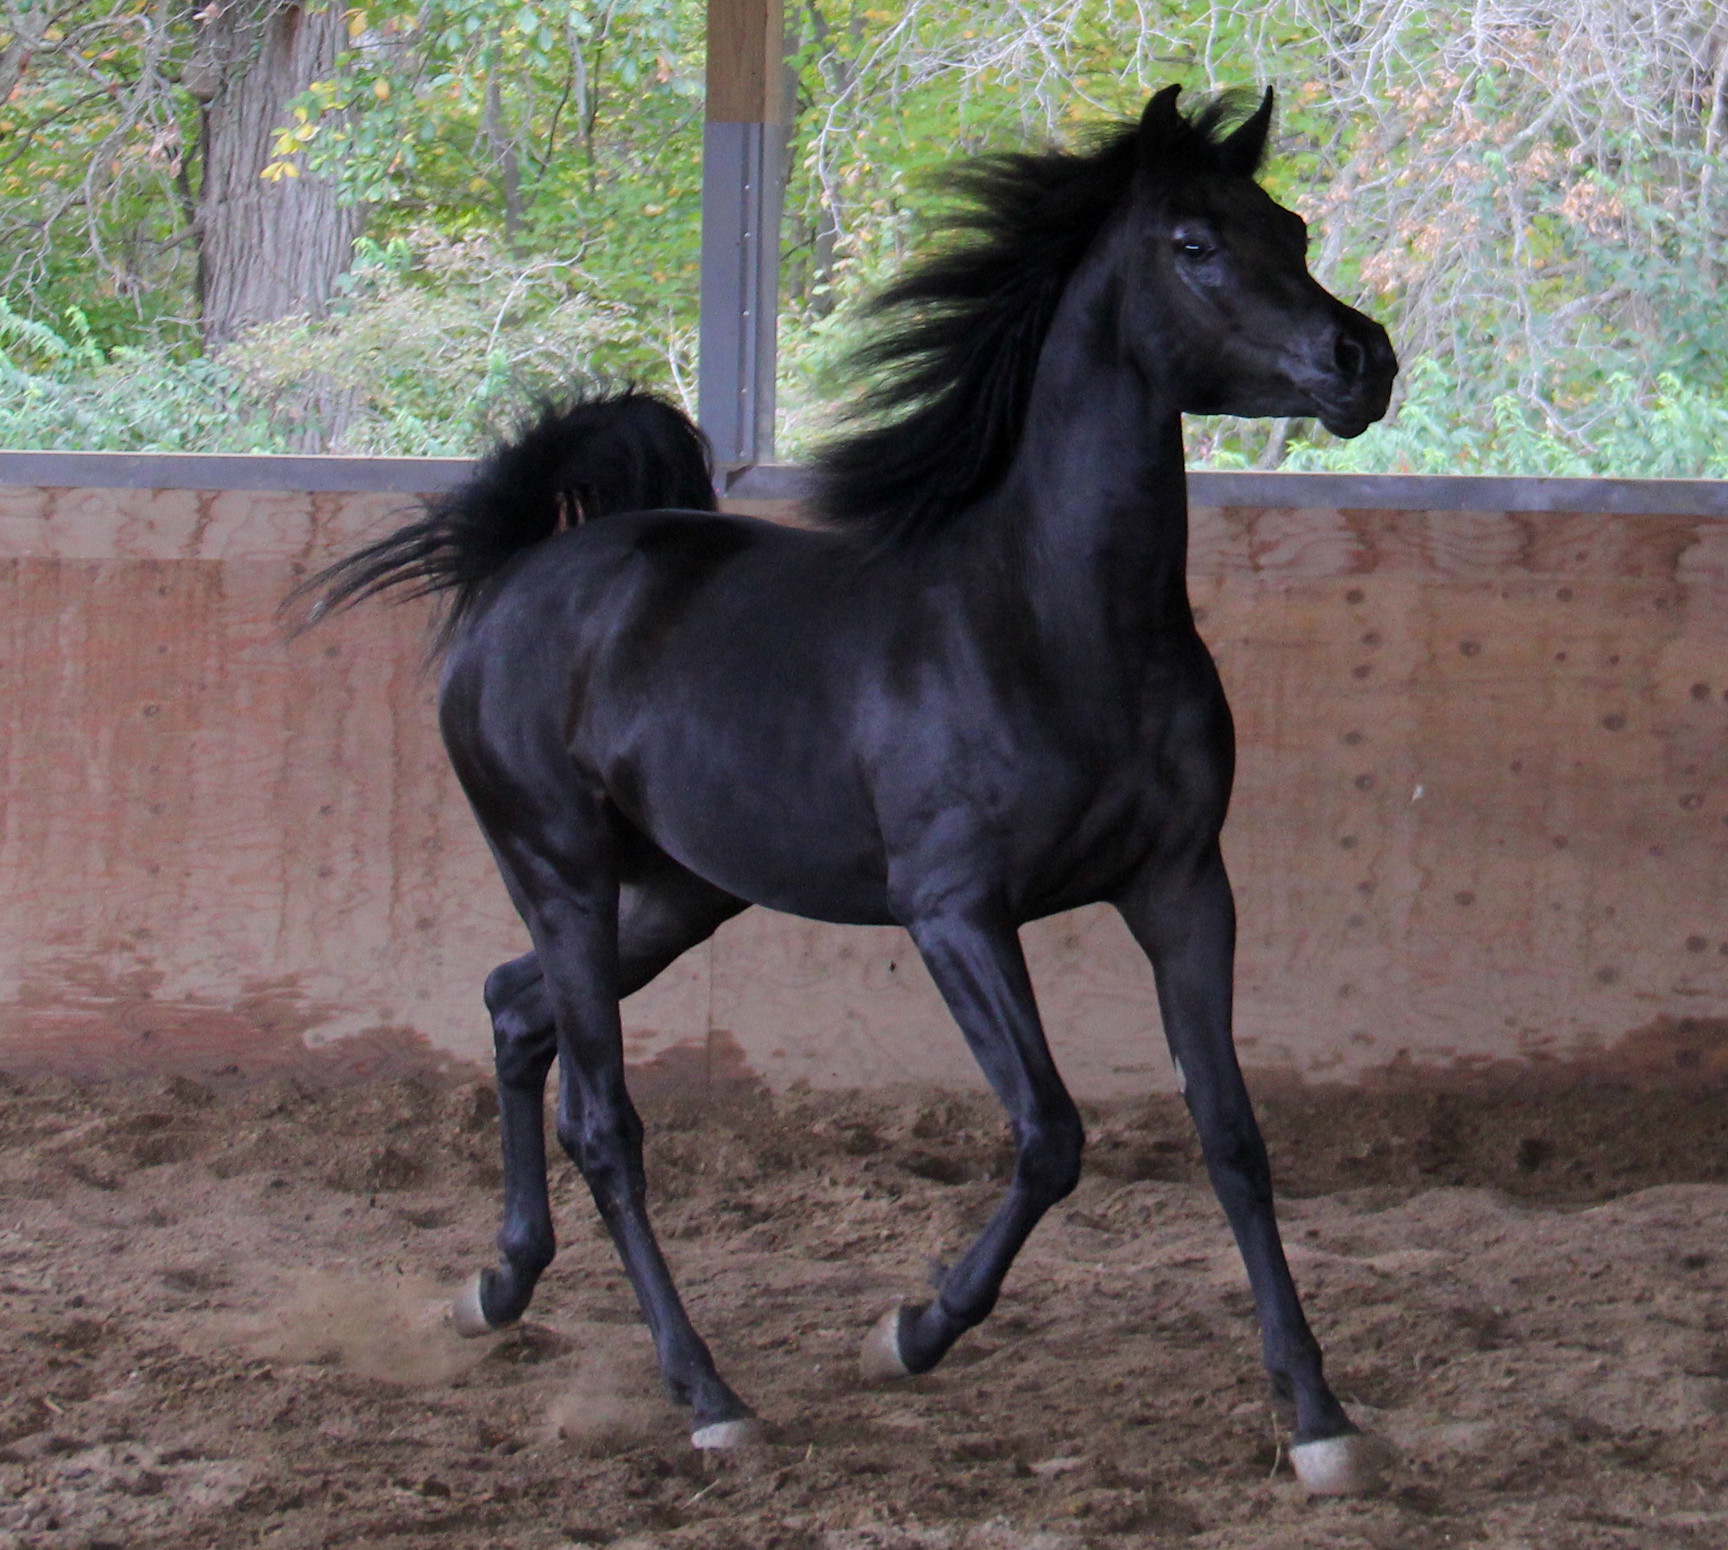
point(1218, 304)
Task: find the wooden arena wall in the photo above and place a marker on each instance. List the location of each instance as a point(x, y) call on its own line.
point(1481, 813)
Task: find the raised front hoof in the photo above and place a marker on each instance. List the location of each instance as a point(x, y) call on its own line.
point(1352, 1465)
point(879, 1359)
point(745, 1432)
point(467, 1314)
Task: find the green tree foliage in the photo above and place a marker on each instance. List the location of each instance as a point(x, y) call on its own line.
point(71, 393)
point(439, 342)
point(96, 181)
point(1528, 193)
point(569, 128)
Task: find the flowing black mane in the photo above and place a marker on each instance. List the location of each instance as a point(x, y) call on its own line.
point(962, 332)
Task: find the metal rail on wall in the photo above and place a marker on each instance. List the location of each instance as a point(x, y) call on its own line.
point(786, 484)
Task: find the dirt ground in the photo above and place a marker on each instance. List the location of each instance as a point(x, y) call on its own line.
point(221, 1305)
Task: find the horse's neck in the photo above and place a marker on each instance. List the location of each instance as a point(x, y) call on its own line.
point(1099, 503)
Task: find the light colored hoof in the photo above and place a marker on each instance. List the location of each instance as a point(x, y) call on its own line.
point(1353, 1465)
point(466, 1316)
point(879, 1358)
point(743, 1433)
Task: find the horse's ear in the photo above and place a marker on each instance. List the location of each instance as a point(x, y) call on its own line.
point(1160, 124)
point(1240, 152)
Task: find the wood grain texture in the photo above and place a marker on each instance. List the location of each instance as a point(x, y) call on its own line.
point(746, 62)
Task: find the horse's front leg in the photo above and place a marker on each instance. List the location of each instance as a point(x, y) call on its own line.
point(974, 956)
point(1183, 915)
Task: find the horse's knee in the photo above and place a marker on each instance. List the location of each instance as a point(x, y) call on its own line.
point(524, 1035)
point(1047, 1164)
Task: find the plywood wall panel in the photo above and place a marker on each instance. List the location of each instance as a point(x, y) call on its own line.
point(1482, 814)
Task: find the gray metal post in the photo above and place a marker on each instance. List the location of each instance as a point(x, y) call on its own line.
point(743, 190)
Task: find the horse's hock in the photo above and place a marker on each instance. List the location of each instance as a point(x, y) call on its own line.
point(1481, 811)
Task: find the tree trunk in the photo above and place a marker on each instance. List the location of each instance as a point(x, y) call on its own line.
point(267, 249)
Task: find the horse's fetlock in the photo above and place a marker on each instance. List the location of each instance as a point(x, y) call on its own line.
point(522, 1236)
point(1048, 1175)
point(1047, 1164)
point(527, 1249)
point(978, 1308)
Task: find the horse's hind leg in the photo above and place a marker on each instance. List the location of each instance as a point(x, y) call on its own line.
point(663, 912)
point(593, 945)
point(524, 1042)
point(599, 1128)
point(1183, 916)
point(974, 957)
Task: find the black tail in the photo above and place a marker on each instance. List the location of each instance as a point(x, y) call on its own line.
point(575, 462)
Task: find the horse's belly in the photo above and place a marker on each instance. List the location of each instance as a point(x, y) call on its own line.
point(833, 891)
point(803, 851)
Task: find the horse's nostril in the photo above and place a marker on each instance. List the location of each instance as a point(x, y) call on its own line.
point(1349, 356)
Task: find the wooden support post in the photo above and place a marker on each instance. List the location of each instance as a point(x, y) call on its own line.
point(743, 189)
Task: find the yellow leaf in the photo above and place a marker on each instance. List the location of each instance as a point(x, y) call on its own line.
point(381, 90)
point(357, 23)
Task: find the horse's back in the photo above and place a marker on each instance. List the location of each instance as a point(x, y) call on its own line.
point(699, 671)
point(610, 596)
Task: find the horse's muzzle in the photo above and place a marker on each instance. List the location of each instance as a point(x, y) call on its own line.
point(1358, 381)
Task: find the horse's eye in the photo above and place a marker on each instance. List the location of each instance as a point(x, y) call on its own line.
point(1193, 248)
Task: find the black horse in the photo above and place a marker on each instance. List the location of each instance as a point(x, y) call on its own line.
point(972, 698)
